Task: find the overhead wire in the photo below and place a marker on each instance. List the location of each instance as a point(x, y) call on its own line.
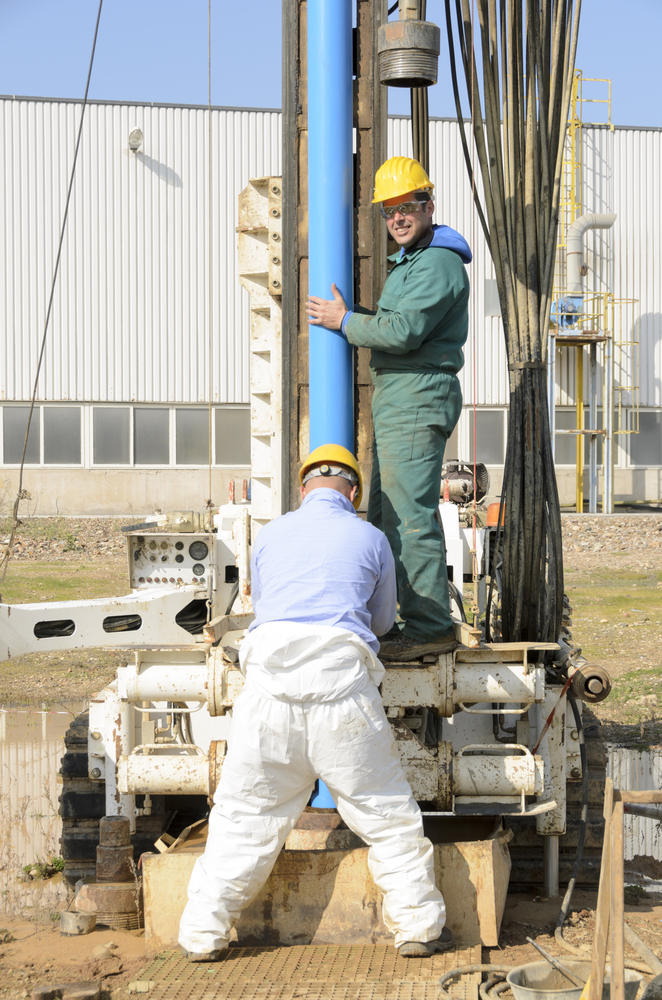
point(20, 492)
point(210, 248)
point(210, 322)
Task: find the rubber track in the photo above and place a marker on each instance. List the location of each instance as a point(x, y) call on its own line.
point(82, 804)
point(526, 847)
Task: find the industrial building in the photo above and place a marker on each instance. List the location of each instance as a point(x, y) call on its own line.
point(141, 340)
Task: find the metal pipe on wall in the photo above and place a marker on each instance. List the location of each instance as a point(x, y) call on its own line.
point(330, 215)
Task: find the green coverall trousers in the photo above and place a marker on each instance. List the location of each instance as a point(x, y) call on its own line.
point(414, 414)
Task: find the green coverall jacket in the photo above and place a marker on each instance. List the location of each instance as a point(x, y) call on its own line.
point(416, 337)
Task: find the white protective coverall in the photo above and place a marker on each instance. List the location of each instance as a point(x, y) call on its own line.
point(310, 709)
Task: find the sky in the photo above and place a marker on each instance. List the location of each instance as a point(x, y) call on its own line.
point(156, 51)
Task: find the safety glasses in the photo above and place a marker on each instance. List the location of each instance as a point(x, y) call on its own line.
point(405, 207)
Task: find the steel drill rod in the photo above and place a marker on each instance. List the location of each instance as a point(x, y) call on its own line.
point(554, 962)
point(646, 811)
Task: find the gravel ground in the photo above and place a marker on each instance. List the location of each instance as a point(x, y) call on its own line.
point(69, 538)
point(589, 533)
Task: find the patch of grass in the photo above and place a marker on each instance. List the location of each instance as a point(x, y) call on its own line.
point(33, 582)
point(69, 675)
point(617, 620)
point(45, 869)
point(635, 894)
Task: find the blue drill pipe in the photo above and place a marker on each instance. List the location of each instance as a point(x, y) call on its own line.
point(330, 215)
point(330, 227)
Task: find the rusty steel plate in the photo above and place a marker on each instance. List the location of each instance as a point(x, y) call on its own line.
point(311, 972)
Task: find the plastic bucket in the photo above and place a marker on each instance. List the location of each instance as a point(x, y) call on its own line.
point(539, 981)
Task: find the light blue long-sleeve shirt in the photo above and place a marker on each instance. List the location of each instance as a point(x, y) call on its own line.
point(323, 565)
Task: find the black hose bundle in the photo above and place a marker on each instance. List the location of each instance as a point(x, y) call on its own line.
point(527, 49)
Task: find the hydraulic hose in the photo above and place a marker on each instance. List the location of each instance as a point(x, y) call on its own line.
point(233, 597)
point(467, 970)
point(457, 597)
point(493, 981)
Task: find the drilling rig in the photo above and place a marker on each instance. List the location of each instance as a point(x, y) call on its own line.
point(481, 732)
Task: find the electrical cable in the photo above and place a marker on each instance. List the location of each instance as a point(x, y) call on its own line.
point(21, 494)
point(210, 310)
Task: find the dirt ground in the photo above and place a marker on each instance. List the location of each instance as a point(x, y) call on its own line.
point(34, 956)
point(31, 956)
point(613, 574)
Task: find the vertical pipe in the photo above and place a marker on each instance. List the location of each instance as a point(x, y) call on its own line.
point(608, 421)
point(550, 854)
point(551, 392)
point(593, 423)
point(330, 215)
point(579, 454)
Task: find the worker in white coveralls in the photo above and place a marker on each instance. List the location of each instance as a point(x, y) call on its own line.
point(323, 583)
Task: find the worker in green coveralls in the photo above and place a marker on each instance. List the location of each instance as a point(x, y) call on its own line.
point(416, 338)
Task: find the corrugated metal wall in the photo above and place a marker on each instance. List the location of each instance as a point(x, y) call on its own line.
point(30, 750)
point(622, 173)
point(638, 771)
point(130, 316)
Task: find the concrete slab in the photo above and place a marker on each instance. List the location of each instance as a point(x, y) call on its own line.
point(329, 897)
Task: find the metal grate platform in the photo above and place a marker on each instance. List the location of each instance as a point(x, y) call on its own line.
point(311, 972)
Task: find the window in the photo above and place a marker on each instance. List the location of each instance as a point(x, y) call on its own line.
point(646, 446)
point(151, 436)
point(14, 424)
point(233, 436)
point(565, 445)
point(111, 435)
point(192, 437)
point(62, 437)
point(103, 434)
point(490, 436)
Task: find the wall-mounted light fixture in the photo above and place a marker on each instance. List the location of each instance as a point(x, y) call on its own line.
point(135, 139)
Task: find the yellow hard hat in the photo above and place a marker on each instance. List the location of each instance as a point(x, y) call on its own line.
point(334, 454)
point(399, 175)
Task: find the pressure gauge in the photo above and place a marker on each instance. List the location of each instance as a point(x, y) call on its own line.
point(198, 569)
point(198, 550)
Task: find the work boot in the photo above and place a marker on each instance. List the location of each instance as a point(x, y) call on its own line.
point(203, 956)
point(393, 633)
point(403, 648)
point(425, 949)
